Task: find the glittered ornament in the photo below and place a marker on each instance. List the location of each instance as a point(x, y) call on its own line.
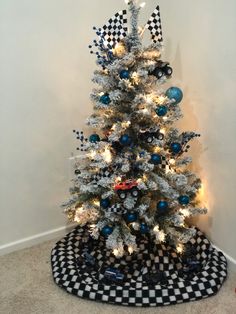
point(94, 138)
point(124, 74)
point(105, 99)
point(161, 111)
point(175, 148)
point(162, 207)
point(184, 199)
point(144, 228)
point(106, 231)
point(125, 140)
point(131, 217)
point(105, 203)
point(156, 159)
point(175, 93)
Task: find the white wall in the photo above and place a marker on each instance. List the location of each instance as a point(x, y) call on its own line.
point(44, 93)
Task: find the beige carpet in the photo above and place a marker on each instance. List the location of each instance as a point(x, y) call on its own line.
point(27, 287)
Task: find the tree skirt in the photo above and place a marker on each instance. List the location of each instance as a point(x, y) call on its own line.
point(140, 286)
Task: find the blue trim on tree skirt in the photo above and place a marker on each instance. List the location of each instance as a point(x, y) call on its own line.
point(87, 281)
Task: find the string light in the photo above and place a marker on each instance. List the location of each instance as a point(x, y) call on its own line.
point(161, 100)
point(118, 179)
point(142, 5)
point(92, 154)
point(125, 124)
point(185, 212)
point(130, 249)
point(180, 248)
point(116, 252)
point(107, 156)
point(163, 131)
point(96, 203)
point(172, 161)
point(79, 211)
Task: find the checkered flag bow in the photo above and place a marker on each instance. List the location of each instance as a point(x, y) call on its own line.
point(154, 26)
point(115, 29)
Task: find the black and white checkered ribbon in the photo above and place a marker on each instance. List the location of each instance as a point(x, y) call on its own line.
point(115, 29)
point(154, 26)
point(103, 174)
point(117, 209)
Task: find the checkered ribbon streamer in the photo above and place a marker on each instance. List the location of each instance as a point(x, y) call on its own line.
point(103, 174)
point(117, 209)
point(115, 29)
point(154, 26)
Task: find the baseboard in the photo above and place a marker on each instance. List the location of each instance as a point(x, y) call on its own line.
point(231, 260)
point(35, 239)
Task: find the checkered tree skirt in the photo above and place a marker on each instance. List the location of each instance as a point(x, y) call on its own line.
point(71, 274)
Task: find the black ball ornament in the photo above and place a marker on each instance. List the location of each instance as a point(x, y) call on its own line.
point(184, 200)
point(105, 203)
point(175, 148)
point(124, 74)
point(105, 99)
point(156, 159)
point(94, 138)
point(106, 231)
point(125, 140)
point(131, 217)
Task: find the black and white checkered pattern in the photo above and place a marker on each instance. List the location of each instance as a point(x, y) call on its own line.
point(115, 29)
point(117, 209)
point(154, 26)
point(103, 174)
point(78, 279)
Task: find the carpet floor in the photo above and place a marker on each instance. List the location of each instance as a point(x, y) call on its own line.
point(27, 287)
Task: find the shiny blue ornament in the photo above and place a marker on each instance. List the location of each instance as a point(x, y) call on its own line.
point(131, 217)
point(144, 228)
point(175, 93)
point(106, 231)
point(175, 148)
point(125, 140)
point(161, 111)
point(156, 159)
point(184, 200)
point(105, 99)
point(124, 74)
point(94, 138)
point(105, 203)
point(162, 207)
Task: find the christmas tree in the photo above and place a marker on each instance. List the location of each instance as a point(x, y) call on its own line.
point(133, 176)
point(133, 191)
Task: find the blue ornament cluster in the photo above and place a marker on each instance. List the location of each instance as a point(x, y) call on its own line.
point(144, 228)
point(125, 140)
point(175, 93)
point(162, 207)
point(175, 148)
point(156, 159)
point(131, 217)
point(105, 203)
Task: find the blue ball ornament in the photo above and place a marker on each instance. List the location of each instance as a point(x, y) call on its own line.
point(106, 231)
point(156, 159)
point(105, 203)
point(175, 93)
point(131, 217)
point(162, 207)
point(125, 140)
point(124, 74)
point(184, 200)
point(94, 138)
point(175, 148)
point(105, 99)
point(144, 228)
point(161, 111)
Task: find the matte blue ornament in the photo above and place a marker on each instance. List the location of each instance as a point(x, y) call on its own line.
point(161, 111)
point(144, 228)
point(175, 148)
point(124, 74)
point(125, 140)
point(175, 93)
point(184, 199)
point(106, 231)
point(94, 138)
point(105, 203)
point(131, 217)
point(162, 207)
point(105, 99)
point(156, 159)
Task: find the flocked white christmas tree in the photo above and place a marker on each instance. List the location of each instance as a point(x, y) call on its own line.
point(133, 177)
